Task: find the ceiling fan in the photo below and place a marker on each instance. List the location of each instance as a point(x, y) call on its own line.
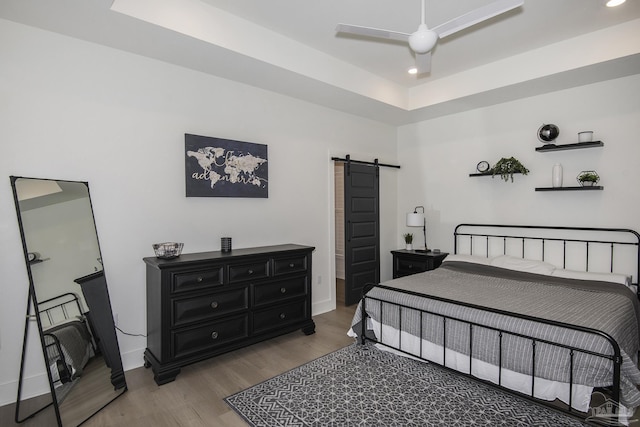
point(423, 40)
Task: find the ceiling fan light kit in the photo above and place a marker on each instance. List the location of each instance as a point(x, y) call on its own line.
point(423, 40)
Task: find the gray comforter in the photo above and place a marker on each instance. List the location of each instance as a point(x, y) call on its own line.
point(607, 307)
point(75, 342)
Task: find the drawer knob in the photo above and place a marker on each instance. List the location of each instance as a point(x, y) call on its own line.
point(292, 265)
point(283, 290)
point(410, 266)
point(282, 316)
point(214, 304)
point(199, 279)
point(214, 335)
point(250, 272)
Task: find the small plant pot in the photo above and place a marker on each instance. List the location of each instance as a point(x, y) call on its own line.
point(588, 178)
point(408, 246)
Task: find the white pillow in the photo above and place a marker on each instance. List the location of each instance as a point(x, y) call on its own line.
point(475, 259)
point(521, 264)
point(586, 275)
point(62, 322)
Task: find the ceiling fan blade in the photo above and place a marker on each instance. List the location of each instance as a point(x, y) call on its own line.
point(372, 32)
point(476, 16)
point(423, 62)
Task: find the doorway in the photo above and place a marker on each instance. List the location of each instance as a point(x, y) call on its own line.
point(357, 229)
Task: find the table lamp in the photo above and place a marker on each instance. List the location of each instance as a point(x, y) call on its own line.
point(416, 219)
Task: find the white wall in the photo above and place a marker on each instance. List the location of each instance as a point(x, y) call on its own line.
point(77, 111)
point(438, 155)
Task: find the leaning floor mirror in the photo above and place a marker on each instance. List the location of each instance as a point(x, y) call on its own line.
point(73, 368)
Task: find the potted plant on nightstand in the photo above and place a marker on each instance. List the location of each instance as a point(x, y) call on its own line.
point(588, 178)
point(408, 241)
point(506, 167)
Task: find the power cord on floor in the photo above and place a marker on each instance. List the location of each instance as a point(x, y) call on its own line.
point(131, 335)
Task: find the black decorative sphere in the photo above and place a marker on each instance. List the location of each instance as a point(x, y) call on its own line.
point(548, 133)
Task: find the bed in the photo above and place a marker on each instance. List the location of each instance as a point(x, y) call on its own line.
point(550, 313)
point(67, 339)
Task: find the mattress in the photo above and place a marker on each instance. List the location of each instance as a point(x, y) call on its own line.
point(75, 345)
point(611, 308)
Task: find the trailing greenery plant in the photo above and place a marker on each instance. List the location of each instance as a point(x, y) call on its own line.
point(408, 238)
point(506, 167)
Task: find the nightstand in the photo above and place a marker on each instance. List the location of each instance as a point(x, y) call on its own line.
point(407, 262)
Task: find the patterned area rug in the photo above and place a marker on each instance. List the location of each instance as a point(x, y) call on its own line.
point(364, 386)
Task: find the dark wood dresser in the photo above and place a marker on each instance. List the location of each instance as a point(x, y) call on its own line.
point(203, 304)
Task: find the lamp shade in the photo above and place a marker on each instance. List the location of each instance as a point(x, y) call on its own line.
point(415, 219)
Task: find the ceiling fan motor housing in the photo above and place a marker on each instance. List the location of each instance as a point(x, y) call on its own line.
point(423, 40)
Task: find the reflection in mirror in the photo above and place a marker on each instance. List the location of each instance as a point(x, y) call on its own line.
point(69, 303)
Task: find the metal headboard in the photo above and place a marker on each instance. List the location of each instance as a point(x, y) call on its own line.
point(59, 308)
point(535, 242)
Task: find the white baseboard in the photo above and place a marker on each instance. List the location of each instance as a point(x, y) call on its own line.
point(38, 385)
point(323, 307)
point(33, 386)
point(133, 359)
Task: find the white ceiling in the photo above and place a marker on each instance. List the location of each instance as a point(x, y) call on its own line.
point(290, 46)
point(537, 23)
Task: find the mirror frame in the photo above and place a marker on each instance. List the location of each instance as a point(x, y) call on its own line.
point(107, 332)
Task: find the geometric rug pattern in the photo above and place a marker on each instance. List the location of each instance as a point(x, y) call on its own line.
point(363, 386)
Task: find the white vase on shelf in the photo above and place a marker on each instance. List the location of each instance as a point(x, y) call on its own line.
point(556, 175)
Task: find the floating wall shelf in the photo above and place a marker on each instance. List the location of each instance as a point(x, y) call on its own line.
point(488, 174)
point(594, 187)
point(577, 145)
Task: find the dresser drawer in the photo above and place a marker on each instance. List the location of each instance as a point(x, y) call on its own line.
point(210, 336)
point(197, 279)
point(281, 290)
point(295, 264)
point(278, 317)
point(249, 271)
point(208, 307)
point(411, 266)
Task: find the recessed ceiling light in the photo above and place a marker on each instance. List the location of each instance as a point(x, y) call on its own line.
point(614, 3)
point(413, 70)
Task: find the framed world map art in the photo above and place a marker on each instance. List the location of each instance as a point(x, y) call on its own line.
point(216, 167)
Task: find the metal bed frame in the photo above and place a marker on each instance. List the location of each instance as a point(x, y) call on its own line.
point(62, 302)
point(523, 235)
point(48, 307)
point(627, 237)
point(54, 348)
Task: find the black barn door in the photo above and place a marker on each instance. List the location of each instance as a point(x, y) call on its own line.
point(361, 228)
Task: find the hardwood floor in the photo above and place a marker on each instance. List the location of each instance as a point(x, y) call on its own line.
point(195, 398)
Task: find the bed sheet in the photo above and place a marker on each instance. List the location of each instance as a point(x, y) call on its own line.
point(508, 290)
point(75, 345)
point(544, 389)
